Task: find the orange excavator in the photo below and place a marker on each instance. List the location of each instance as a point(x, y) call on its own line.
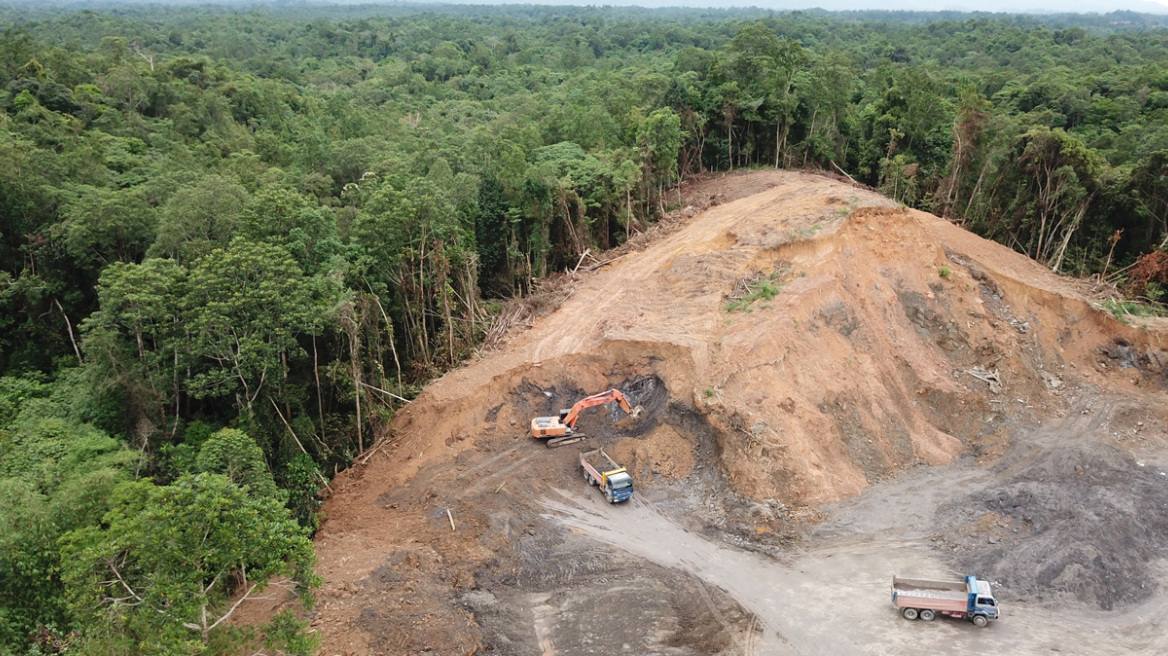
point(559, 429)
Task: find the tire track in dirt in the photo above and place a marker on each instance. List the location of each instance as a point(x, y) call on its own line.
point(743, 643)
point(478, 477)
point(482, 484)
point(760, 585)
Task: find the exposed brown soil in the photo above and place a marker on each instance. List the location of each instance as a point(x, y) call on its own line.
point(900, 354)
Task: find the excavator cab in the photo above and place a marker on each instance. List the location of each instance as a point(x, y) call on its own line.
point(549, 427)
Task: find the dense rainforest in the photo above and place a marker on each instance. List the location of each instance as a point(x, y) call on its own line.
point(234, 240)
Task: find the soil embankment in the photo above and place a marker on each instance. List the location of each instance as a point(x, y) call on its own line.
point(799, 343)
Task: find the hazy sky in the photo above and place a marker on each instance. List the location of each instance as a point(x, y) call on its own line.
point(1010, 6)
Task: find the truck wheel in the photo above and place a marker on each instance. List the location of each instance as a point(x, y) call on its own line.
point(928, 615)
point(980, 620)
point(909, 613)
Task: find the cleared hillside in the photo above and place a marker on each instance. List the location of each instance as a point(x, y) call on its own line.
point(790, 348)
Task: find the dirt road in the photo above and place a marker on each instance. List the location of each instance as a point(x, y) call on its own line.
point(773, 593)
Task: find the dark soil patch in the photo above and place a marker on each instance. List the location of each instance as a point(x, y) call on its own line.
point(706, 503)
point(557, 589)
point(931, 324)
point(1081, 520)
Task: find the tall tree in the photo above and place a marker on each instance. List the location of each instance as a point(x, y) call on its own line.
point(137, 340)
point(248, 305)
point(659, 142)
point(1062, 179)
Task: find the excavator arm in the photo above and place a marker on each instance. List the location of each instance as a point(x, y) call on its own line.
point(559, 428)
point(595, 400)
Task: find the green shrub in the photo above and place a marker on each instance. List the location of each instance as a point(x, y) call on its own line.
point(1123, 309)
point(763, 289)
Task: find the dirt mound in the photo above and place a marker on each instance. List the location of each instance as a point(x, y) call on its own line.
point(787, 348)
point(1070, 517)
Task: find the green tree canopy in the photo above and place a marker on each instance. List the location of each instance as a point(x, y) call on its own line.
point(232, 453)
point(161, 575)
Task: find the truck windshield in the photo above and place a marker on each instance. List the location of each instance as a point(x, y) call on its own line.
point(621, 482)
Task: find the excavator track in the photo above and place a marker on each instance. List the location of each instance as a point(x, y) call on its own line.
point(557, 442)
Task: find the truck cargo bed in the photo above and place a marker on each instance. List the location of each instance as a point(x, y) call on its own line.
point(952, 596)
point(932, 593)
point(924, 585)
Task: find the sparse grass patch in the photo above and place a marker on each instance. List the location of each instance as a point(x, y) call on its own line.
point(808, 233)
point(755, 288)
point(1124, 309)
point(944, 271)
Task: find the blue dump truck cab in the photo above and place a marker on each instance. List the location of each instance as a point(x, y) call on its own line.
point(981, 602)
point(620, 487)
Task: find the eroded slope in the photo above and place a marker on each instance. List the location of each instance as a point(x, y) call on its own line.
point(855, 369)
point(894, 339)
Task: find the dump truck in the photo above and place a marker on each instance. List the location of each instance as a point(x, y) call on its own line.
point(614, 480)
point(969, 599)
